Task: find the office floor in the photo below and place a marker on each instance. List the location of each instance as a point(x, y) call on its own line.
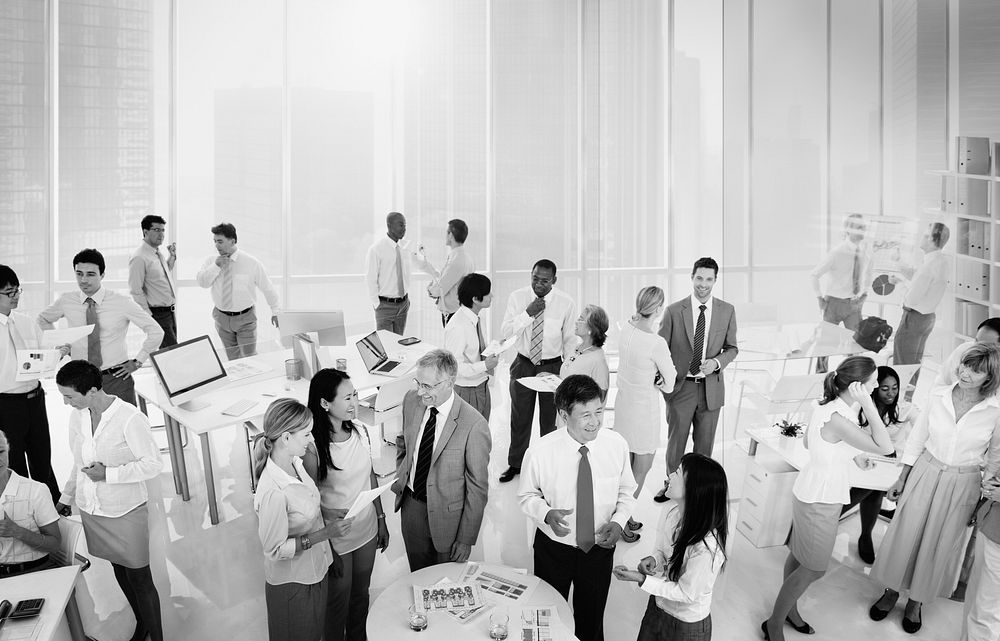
point(212, 586)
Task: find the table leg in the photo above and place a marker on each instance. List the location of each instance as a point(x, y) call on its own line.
point(177, 457)
point(76, 631)
point(752, 450)
point(142, 405)
point(206, 455)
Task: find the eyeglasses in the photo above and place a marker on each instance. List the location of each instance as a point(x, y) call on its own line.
point(11, 293)
point(424, 387)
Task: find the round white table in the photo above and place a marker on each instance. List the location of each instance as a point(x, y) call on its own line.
point(387, 617)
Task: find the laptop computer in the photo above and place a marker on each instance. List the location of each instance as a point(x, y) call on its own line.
point(376, 360)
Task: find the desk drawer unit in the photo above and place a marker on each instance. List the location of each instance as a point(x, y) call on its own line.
point(765, 514)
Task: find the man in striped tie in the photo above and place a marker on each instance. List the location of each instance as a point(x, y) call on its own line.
point(543, 318)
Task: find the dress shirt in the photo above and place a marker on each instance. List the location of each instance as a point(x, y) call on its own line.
point(380, 269)
point(148, 281)
point(558, 331)
point(456, 267)
point(462, 340)
point(971, 441)
point(114, 312)
point(926, 289)
point(31, 335)
point(949, 368)
point(248, 276)
point(695, 312)
point(123, 443)
point(839, 267)
point(548, 480)
point(444, 409)
point(287, 508)
point(29, 504)
point(690, 597)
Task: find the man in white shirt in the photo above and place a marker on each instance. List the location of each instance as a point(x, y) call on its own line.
point(925, 289)
point(234, 277)
point(149, 279)
point(22, 403)
point(577, 487)
point(29, 524)
point(387, 275)
point(544, 319)
point(444, 288)
point(110, 313)
point(463, 337)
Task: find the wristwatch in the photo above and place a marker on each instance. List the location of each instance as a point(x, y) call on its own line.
point(306, 543)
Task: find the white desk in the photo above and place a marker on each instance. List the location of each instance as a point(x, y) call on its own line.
point(263, 388)
point(387, 618)
point(795, 342)
point(56, 587)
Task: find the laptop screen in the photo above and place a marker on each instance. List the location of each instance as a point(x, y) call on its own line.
point(372, 351)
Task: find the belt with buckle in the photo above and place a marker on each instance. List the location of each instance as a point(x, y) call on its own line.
point(389, 299)
point(168, 308)
point(25, 395)
point(695, 379)
point(240, 313)
point(14, 568)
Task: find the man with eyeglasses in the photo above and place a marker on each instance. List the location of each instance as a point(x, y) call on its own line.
point(441, 482)
point(149, 279)
point(22, 403)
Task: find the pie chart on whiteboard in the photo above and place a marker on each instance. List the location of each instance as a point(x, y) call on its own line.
point(882, 285)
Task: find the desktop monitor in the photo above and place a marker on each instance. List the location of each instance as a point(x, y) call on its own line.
point(329, 325)
point(188, 370)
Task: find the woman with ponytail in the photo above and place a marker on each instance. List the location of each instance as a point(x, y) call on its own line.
point(297, 554)
point(689, 554)
point(823, 486)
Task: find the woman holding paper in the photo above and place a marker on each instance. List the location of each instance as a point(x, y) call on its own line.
point(340, 462)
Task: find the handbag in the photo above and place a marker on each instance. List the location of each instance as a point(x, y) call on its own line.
point(873, 333)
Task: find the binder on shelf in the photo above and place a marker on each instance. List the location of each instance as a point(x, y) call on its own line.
point(976, 231)
point(974, 315)
point(972, 195)
point(948, 203)
point(973, 155)
point(962, 242)
point(987, 240)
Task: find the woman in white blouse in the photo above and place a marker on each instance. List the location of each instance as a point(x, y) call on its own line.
point(644, 370)
point(113, 455)
point(689, 554)
point(340, 462)
point(297, 553)
point(939, 487)
point(588, 358)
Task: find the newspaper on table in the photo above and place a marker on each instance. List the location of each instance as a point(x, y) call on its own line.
point(461, 600)
point(500, 582)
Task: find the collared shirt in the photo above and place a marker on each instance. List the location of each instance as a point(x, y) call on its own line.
point(248, 276)
point(462, 340)
point(445, 288)
point(695, 312)
point(549, 474)
point(839, 268)
point(928, 284)
point(29, 504)
point(123, 443)
point(558, 337)
point(690, 597)
point(287, 508)
point(148, 281)
point(973, 440)
point(31, 335)
point(114, 312)
point(380, 269)
point(444, 409)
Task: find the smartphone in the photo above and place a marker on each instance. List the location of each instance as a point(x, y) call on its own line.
point(411, 340)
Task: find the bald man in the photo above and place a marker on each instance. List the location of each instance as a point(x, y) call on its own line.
point(387, 274)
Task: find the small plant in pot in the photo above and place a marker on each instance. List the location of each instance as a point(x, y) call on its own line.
point(790, 429)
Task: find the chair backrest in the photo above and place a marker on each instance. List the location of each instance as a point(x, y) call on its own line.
point(391, 394)
point(70, 531)
point(906, 373)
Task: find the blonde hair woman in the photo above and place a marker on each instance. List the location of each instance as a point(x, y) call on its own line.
point(297, 555)
point(644, 370)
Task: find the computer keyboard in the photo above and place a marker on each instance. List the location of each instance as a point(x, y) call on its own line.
point(240, 407)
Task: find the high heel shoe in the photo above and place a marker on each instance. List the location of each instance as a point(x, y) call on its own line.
point(911, 626)
point(805, 628)
point(763, 628)
point(661, 496)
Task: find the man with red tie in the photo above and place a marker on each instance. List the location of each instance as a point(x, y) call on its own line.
point(577, 487)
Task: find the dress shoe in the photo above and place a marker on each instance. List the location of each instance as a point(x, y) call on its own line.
point(866, 549)
point(911, 626)
point(661, 496)
point(509, 475)
point(805, 628)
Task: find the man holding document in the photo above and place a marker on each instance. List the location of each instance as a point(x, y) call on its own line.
point(22, 403)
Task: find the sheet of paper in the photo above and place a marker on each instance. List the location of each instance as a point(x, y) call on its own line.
point(367, 497)
point(52, 338)
point(500, 582)
point(245, 368)
point(32, 364)
point(499, 348)
point(541, 383)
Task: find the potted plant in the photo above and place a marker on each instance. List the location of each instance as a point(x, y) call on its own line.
point(790, 429)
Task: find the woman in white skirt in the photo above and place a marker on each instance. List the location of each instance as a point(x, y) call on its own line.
point(644, 370)
point(938, 488)
point(113, 456)
point(823, 487)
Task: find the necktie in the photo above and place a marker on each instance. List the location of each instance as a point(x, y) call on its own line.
point(424, 454)
point(399, 272)
point(479, 334)
point(537, 331)
point(699, 342)
point(585, 530)
point(856, 273)
point(94, 338)
point(167, 276)
point(227, 286)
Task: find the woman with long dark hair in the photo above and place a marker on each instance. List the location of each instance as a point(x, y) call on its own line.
point(340, 462)
point(689, 554)
point(823, 486)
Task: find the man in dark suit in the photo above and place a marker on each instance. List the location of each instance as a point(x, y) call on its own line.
point(701, 333)
point(441, 484)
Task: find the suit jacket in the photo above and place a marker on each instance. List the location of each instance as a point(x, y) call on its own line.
point(677, 327)
point(457, 483)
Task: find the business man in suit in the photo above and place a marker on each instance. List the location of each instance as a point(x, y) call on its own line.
point(441, 483)
point(701, 333)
